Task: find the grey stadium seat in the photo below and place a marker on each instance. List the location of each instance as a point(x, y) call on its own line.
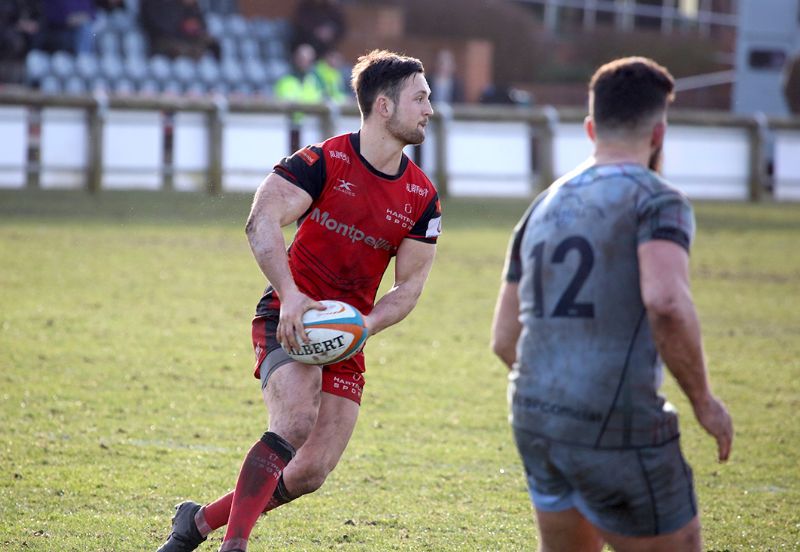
point(255, 73)
point(208, 70)
point(37, 66)
point(215, 25)
point(75, 86)
point(196, 89)
point(134, 44)
point(50, 84)
point(148, 87)
point(123, 87)
point(107, 43)
point(248, 49)
point(99, 84)
point(172, 87)
point(275, 49)
point(276, 69)
point(231, 71)
point(135, 68)
point(62, 64)
point(160, 68)
point(236, 26)
point(184, 69)
point(87, 66)
point(111, 67)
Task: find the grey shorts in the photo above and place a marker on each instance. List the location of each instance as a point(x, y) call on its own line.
point(634, 492)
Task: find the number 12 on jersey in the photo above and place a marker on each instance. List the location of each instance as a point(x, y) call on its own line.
point(566, 306)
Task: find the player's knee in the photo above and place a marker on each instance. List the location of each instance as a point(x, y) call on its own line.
point(308, 477)
point(297, 429)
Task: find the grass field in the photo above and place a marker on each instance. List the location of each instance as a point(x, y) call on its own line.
point(125, 383)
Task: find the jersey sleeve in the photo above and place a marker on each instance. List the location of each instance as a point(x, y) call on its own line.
point(305, 169)
point(512, 271)
point(667, 215)
point(429, 225)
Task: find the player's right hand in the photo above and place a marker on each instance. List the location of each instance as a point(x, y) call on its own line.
point(714, 417)
point(290, 332)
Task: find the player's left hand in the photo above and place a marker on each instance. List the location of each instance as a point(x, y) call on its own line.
point(715, 419)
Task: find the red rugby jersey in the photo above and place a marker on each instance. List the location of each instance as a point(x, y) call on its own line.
point(357, 220)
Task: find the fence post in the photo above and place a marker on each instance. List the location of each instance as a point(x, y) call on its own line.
point(168, 162)
point(215, 127)
point(757, 131)
point(33, 170)
point(545, 151)
point(441, 130)
point(96, 121)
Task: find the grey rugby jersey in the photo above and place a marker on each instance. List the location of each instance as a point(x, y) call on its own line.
point(587, 370)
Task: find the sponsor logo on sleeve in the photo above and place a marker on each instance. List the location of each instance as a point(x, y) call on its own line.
point(308, 155)
point(434, 227)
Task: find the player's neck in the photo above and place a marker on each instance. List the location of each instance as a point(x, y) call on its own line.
point(383, 151)
point(613, 152)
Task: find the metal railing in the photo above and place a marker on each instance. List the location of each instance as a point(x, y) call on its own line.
point(541, 121)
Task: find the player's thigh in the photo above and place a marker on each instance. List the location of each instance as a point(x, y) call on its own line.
point(685, 539)
point(567, 531)
point(325, 445)
point(292, 395)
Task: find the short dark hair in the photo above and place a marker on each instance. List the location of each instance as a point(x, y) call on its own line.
point(381, 72)
point(627, 92)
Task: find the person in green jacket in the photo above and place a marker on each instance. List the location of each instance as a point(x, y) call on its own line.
point(302, 85)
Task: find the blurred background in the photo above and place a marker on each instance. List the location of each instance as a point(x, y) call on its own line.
point(84, 79)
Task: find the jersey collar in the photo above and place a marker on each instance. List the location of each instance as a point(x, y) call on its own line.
point(355, 141)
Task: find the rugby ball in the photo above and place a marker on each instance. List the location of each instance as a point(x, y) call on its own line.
point(335, 334)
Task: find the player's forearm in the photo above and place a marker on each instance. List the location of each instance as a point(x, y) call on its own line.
point(506, 327)
point(394, 306)
point(676, 331)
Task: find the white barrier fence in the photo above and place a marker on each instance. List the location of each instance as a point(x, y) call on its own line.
point(470, 151)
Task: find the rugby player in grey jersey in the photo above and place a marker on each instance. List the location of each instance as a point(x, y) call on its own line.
point(595, 295)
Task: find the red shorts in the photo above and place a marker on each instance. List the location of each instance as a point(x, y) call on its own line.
point(344, 379)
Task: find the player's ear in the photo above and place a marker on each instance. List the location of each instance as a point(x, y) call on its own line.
point(588, 126)
point(384, 106)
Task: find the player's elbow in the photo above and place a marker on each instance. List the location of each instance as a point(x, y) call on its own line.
point(504, 349)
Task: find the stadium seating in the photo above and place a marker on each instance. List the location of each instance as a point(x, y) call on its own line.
point(37, 66)
point(254, 54)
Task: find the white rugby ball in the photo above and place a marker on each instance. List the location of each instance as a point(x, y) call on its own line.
point(335, 334)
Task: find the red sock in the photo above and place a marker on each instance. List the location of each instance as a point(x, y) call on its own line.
point(215, 514)
point(258, 478)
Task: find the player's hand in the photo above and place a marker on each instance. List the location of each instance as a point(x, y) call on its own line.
point(290, 333)
point(714, 418)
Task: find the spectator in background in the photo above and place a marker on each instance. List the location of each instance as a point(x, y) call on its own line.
point(302, 85)
point(791, 84)
point(20, 21)
point(445, 85)
point(319, 23)
point(68, 26)
point(333, 74)
point(176, 28)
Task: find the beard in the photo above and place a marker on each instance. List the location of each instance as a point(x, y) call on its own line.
point(656, 162)
point(409, 136)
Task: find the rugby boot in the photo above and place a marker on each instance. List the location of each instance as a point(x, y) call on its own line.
point(184, 537)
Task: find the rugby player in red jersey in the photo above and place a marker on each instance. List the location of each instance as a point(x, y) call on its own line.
point(358, 201)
